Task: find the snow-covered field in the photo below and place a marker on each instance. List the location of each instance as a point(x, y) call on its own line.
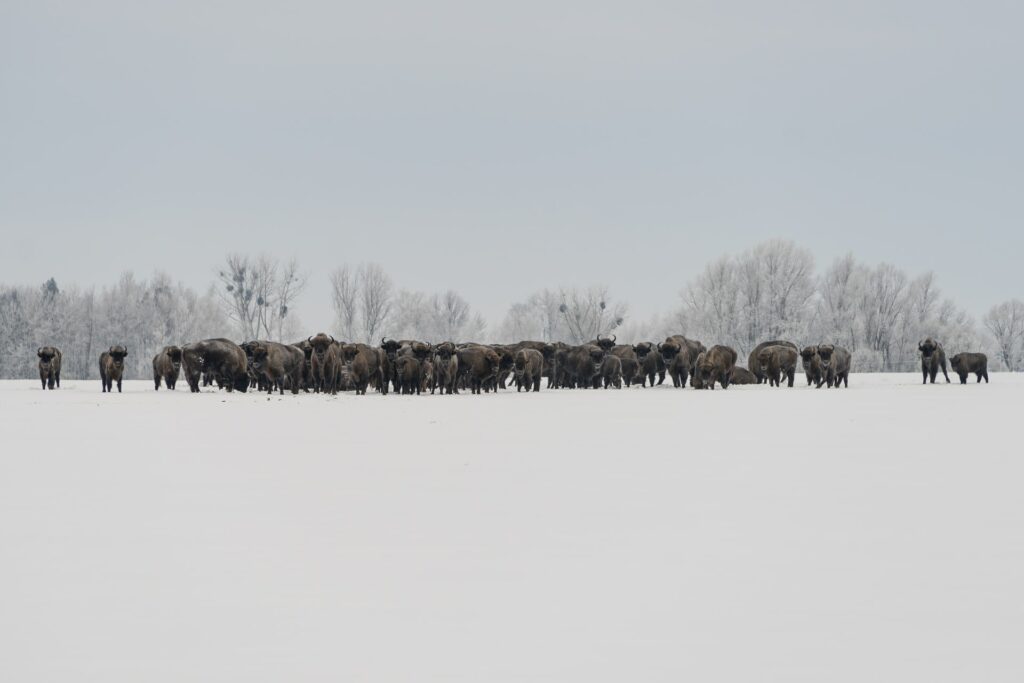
point(754, 534)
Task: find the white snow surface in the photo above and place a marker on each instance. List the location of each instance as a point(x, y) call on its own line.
point(754, 534)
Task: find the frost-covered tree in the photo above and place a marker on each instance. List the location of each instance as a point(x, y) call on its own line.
point(1005, 322)
point(258, 294)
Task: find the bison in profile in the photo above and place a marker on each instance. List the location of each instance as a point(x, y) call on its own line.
point(529, 367)
point(49, 366)
point(167, 367)
point(835, 363)
point(112, 367)
point(218, 358)
point(777, 363)
point(715, 365)
point(964, 364)
point(932, 358)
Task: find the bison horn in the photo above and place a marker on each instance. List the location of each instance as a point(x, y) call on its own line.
point(383, 341)
point(110, 350)
point(334, 340)
point(40, 351)
point(613, 339)
point(309, 339)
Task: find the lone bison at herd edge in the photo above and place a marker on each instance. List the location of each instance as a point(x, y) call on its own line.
point(322, 364)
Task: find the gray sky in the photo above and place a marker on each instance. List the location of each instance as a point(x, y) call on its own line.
point(497, 148)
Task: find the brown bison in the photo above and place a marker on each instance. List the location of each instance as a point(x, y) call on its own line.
point(167, 367)
point(932, 358)
point(651, 364)
point(407, 371)
point(307, 366)
point(583, 366)
point(49, 366)
point(220, 359)
point(611, 371)
point(529, 367)
point(964, 364)
point(478, 366)
point(278, 365)
point(365, 366)
point(715, 364)
point(811, 362)
point(752, 361)
point(630, 364)
point(112, 367)
point(741, 375)
point(835, 363)
point(324, 363)
point(446, 369)
point(777, 363)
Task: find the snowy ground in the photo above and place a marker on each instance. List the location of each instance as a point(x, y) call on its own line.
point(755, 534)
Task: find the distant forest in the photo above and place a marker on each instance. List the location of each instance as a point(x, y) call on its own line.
point(773, 291)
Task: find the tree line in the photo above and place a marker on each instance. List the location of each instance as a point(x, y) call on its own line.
point(771, 291)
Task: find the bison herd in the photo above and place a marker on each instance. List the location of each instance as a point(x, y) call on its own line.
point(322, 364)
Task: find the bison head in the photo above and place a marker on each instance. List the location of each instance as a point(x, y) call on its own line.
point(642, 349)
point(390, 347)
point(764, 360)
point(825, 352)
point(46, 355)
point(927, 348)
point(606, 344)
point(320, 343)
point(259, 356)
point(669, 350)
point(117, 354)
point(596, 358)
point(955, 362)
point(809, 353)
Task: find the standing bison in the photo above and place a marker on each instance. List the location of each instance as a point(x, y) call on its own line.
point(324, 363)
point(964, 364)
point(752, 362)
point(478, 366)
point(529, 366)
point(407, 373)
point(446, 369)
point(715, 365)
point(811, 362)
point(365, 367)
point(776, 363)
point(112, 367)
point(49, 366)
point(277, 365)
point(167, 367)
point(835, 363)
point(932, 358)
point(611, 371)
point(220, 359)
point(651, 364)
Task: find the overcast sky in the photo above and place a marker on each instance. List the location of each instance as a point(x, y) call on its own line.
point(497, 148)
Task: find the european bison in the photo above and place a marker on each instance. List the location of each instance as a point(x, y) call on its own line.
point(167, 367)
point(407, 372)
point(611, 371)
point(49, 366)
point(583, 365)
point(776, 363)
point(478, 366)
point(324, 364)
point(630, 364)
point(742, 376)
point(112, 367)
point(752, 362)
point(218, 358)
point(964, 364)
point(278, 364)
point(651, 364)
point(529, 367)
point(446, 369)
point(715, 364)
point(835, 363)
point(307, 367)
point(932, 358)
point(812, 365)
point(365, 366)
